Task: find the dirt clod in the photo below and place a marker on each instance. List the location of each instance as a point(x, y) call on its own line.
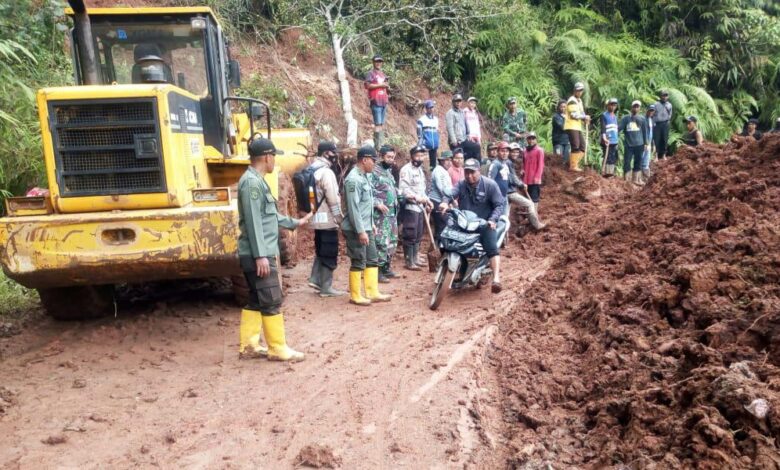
point(318, 456)
point(55, 439)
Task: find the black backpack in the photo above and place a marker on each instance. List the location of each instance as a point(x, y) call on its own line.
point(302, 181)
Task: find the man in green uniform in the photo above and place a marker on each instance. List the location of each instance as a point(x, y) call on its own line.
point(258, 248)
point(385, 211)
point(514, 123)
point(358, 227)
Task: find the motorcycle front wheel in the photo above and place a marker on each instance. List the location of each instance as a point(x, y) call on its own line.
point(445, 276)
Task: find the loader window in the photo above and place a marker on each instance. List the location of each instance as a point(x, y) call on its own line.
point(175, 54)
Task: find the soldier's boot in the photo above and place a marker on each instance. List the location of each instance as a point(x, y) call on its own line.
point(273, 326)
point(389, 270)
point(326, 283)
point(409, 258)
point(249, 332)
point(383, 278)
point(314, 279)
point(371, 275)
point(355, 296)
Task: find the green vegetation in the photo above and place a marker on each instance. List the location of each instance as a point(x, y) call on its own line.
point(15, 299)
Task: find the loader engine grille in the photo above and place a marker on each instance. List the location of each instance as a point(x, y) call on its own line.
point(107, 147)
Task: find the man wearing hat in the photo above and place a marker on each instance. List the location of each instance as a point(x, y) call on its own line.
point(376, 84)
point(491, 157)
point(358, 228)
point(663, 115)
point(457, 131)
point(386, 207)
point(428, 132)
point(514, 123)
point(634, 128)
point(533, 165)
point(412, 187)
point(693, 137)
point(326, 221)
point(610, 137)
point(441, 186)
point(481, 196)
point(258, 248)
point(647, 155)
point(473, 122)
point(576, 125)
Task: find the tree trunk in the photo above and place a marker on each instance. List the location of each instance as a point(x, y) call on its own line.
point(346, 96)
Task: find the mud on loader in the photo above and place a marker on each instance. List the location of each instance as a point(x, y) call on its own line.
point(141, 157)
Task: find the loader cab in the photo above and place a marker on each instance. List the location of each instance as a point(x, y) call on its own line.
point(182, 47)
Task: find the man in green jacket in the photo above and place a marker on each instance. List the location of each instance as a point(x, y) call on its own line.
point(359, 230)
point(514, 123)
point(258, 249)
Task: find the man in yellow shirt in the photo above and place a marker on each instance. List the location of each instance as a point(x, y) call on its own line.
point(576, 125)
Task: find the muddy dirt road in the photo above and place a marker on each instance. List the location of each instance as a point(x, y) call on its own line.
point(387, 386)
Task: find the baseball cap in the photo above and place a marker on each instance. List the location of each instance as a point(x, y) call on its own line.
point(753, 121)
point(691, 119)
point(325, 146)
point(494, 145)
point(417, 149)
point(531, 135)
point(429, 104)
point(471, 164)
point(612, 101)
point(262, 146)
point(377, 58)
point(471, 98)
point(511, 100)
point(457, 97)
point(503, 145)
point(367, 151)
point(514, 146)
point(664, 93)
point(651, 107)
point(579, 86)
point(445, 155)
point(636, 103)
point(385, 149)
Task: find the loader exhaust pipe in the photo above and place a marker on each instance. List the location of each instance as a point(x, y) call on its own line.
point(86, 48)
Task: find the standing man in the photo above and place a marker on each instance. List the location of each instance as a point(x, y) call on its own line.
point(560, 139)
point(610, 137)
point(481, 196)
point(359, 230)
point(326, 221)
point(441, 187)
point(514, 123)
point(634, 128)
point(385, 212)
point(693, 137)
point(376, 84)
point(473, 123)
point(457, 132)
point(491, 156)
point(428, 132)
point(510, 186)
point(647, 155)
point(412, 188)
point(456, 170)
point(576, 125)
point(663, 114)
point(258, 249)
point(534, 169)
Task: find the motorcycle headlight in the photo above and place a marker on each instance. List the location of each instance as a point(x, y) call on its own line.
point(463, 222)
point(473, 226)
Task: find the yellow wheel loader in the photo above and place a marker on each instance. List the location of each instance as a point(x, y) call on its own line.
point(141, 157)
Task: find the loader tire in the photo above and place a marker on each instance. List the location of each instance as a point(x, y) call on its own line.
point(78, 302)
point(288, 239)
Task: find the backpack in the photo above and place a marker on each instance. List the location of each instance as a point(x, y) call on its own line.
point(302, 181)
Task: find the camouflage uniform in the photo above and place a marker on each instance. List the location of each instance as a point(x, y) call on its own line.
point(512, 123)
point(385, 193)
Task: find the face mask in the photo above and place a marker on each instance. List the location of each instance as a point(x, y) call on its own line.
point(386, 165)
point(416, 162)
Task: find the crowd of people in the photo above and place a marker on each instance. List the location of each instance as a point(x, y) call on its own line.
point(376, 208)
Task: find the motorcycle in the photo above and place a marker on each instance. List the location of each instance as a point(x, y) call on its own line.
point(463, 263)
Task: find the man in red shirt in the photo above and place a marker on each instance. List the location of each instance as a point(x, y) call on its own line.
point(533, 164)
point(376, 84)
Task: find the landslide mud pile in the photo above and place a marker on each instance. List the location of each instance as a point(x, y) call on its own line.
point(653, 340)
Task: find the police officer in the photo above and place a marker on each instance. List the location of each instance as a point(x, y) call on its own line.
point(358, 227)
point(385, 211)
point(258, 248)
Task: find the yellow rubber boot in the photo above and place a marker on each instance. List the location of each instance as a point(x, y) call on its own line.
point(574, 161)
point(355, 296)
point(273, 327)
point(249, 333)
point(372, 286)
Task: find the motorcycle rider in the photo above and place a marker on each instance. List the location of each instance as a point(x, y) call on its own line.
point(481, 196)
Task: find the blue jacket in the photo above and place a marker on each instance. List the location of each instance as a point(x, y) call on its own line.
point(484, 199)
point(428, 132)
point(609, 127)
point(499, 172)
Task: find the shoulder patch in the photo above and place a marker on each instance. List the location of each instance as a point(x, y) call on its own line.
point(254, 193)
